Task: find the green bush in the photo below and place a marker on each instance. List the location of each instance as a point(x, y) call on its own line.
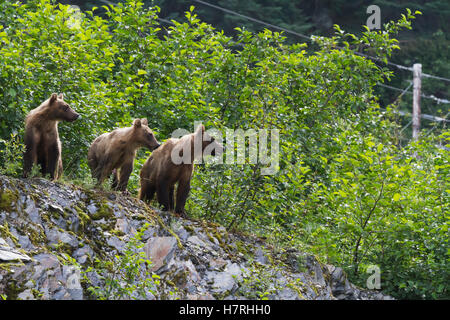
point(343, 190)
point(387, 208)
point(126, 276)
point(11, 155)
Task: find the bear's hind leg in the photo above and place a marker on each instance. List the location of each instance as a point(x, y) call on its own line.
point(103, 173)
point(115, 181)
point(30, 156)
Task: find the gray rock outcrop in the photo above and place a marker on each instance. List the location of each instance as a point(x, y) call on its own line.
point(42, 223)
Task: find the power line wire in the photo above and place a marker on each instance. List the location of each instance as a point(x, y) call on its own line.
point(436, 125)
point(401, 67)
point(404, 91)
point(431, 97)
point(403, 113)
point(396, 99)
point(166, 21)
point(398, 66)
point(254, 20)
point(435, 77)
point(407, 125)
point(423, 116)
point(438, 100)
point(157, 18)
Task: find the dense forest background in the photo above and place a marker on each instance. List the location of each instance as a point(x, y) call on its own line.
point(351, 188)
point(427, 43)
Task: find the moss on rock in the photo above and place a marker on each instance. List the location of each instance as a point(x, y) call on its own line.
point(83, 216)
point(8, 198)
point(103, 211)
point(6, 234)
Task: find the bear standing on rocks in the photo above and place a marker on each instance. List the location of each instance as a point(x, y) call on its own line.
point(173, 163)
point(117, 150)
point(42, 142)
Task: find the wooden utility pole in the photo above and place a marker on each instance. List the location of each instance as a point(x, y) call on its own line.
point(417, 84)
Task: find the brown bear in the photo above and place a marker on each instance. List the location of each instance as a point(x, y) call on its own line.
point(42, 142)
point(117, 150)
point(173, 163)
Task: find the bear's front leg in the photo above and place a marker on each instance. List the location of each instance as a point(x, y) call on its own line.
point(147, 190)
point(171, 193)
point(59, 173)
point(163, 195)
point(182, 194)
point(53, 158)
point(125, 172)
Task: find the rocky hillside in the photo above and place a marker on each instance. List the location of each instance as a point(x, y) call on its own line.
point(56, 241)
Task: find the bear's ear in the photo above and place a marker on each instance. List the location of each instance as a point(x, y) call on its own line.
point(199, 132)
point(137, 123)
point(200, 129)
point(61, 96)
point(53, 97)
point(144, 122)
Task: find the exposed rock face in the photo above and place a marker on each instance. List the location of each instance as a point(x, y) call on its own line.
point(41, 222)
point(160, 251)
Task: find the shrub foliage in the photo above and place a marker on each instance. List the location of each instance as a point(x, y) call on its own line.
point(344, 189)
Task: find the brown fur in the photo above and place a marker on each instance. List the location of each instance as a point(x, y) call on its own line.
point(160, 174)
point(42, 142)
point(117, 150)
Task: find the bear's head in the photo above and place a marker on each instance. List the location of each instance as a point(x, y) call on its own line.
point(59, 110)
point(210, 146)
point(144, 135)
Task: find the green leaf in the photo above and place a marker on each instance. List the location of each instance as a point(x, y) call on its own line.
point(12, 92)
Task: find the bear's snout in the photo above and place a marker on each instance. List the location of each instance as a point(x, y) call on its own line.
point(73, 117)
point(156, 147)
